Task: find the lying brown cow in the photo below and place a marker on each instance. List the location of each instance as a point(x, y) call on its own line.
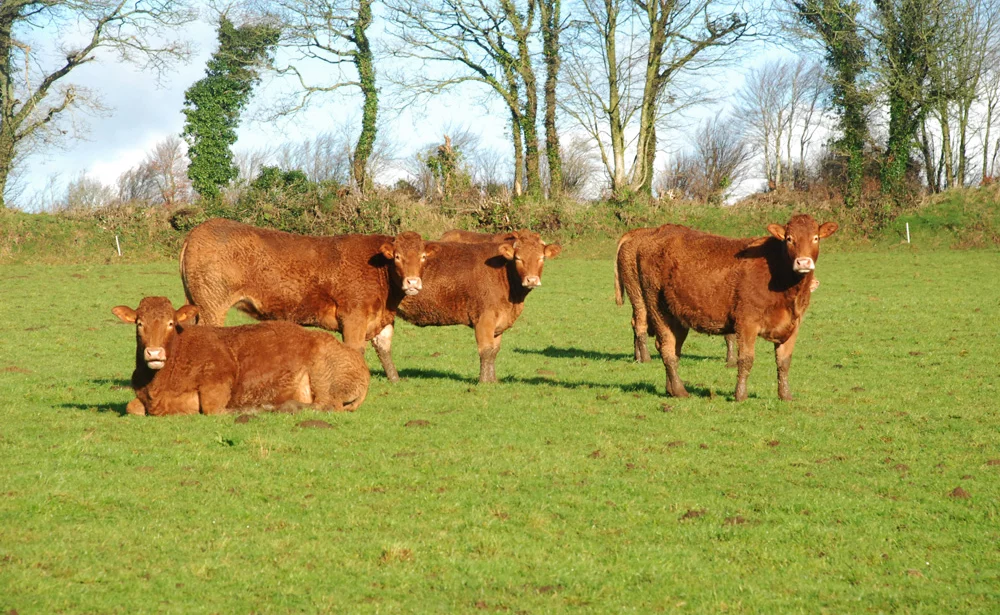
point(481, 285)
point(716, 285)
point(347, 283)
point(182, 369)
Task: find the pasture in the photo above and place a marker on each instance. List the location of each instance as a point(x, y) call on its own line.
point(573, 485)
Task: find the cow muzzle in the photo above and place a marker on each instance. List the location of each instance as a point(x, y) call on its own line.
point(532, 281)
point(804, 265)
point(155, 358)
point(412, 286)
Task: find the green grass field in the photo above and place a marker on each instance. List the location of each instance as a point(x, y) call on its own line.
point(573, 485)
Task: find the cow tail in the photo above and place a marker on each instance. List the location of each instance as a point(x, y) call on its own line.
point(184, 281)
point(618, 283)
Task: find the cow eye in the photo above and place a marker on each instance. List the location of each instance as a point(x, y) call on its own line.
point(170, 325)
point(789, 239)
point(138, 323)
point(816, 239)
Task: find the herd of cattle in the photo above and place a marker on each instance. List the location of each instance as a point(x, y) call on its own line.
point(676, 278)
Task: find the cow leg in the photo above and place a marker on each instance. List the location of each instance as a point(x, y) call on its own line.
point(745, 339)
point(640, 329)
point(214, 398)
point(489, 346)
point(783, 357)
point(212, 315)
point(383, 348)
point(730, 350)
point(668, 339)
point(136, 407)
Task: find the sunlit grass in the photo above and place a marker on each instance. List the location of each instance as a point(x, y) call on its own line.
point(572, 485)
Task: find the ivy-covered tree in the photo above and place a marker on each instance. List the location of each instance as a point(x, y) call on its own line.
point(213, 104)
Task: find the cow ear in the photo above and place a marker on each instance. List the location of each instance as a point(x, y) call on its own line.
point(125, 313)
point(388, 250)
point(506, 250)
point(185, 313)
point(511, 237)
point(430, 249)
point(552, 250)
point(777, 231)
point(828, 228)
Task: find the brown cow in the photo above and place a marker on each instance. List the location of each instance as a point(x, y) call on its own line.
point(481, 285)
point(460, 236)
point(347, 283)
point(626, 275)
point(182, 369)
point(716, 285)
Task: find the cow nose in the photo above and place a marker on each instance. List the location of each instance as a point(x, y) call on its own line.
point(532, 281)
point(155, 354)
point(804, 265)
point(412, 286)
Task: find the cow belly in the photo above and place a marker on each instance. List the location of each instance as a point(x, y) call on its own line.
point(698, 313)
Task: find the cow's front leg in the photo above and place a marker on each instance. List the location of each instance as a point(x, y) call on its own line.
point(745, 340)
point(136, 407)
point(783, 357)
point(730, 350)
point(383, 348)
point(489, 346)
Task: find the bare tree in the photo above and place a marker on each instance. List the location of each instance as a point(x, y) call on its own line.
point(161, 178)
point(718, 161)
point(332, 34)
point(34, 94)
point(85, 193)
point(474, 42)
point(620, 82)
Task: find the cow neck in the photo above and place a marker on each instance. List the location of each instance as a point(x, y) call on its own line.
point(143, 376)
point(784, 279)
point(518, 293)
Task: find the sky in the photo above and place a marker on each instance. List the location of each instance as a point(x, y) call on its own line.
point(143, 112)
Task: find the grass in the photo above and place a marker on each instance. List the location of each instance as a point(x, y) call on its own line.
point(573, 485)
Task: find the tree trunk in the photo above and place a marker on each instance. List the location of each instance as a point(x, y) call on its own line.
point(8, 128)
point(515, 129)
point(365, 64)
point(929, 166)
point(986, 142)
point(550, 47)
point(946, 154)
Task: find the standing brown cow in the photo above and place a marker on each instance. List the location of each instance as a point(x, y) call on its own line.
point(716, 285)
point(627, 277)
point(347, 283)
point(481, 285)
point(182, 369)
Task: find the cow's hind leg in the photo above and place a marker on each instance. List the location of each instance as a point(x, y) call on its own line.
point(745, 338)
point(383, 348)
point(783, 357)
point(640, 328)
point(669, 338)
point(730, 350)
point(489, 346)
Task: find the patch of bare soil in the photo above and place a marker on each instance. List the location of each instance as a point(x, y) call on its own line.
point(244, 418)
point(13, 369)
point(145, 469)
point(596, 454)
point(548, 589)
point(417, 423)
point(737, 520)
point(676, 443)
point(545, 372)
point(915, 573)
point(315, 424)
point(694, 513)
point(773, 443)
point(959, 493)
point(993, 462)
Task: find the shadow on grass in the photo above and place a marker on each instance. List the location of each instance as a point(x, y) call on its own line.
point(114, 383)
point(118, 408)
point(625, 387)
point(579, 353)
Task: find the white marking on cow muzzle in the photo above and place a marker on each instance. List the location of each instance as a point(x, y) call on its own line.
point(412, 286)
point(804, 265)
point(532, 281)
point(155, 358)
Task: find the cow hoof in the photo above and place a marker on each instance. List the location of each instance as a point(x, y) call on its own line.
point(787, 397)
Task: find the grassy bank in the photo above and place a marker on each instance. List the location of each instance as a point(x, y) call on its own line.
point(958, 219)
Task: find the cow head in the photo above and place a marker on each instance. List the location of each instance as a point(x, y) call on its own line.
point(528, 253)
point(801, 240)
point(408, 253)
point(156, 323)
